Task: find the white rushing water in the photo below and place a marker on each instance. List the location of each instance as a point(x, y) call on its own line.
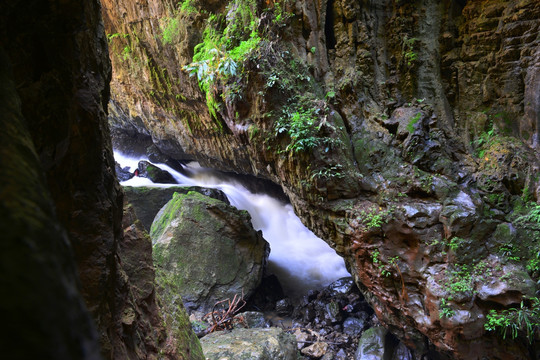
point(299, 259)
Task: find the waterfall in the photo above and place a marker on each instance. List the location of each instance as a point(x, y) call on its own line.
point(299, 259)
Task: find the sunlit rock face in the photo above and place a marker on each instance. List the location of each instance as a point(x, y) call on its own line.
point(422, 140)
point(61, 204)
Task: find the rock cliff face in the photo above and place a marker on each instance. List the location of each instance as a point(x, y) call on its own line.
point(405, 135)
point(62, 234)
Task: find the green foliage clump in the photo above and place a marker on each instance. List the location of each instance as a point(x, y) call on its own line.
point(409, 54)
point(459, 280)
point(172, 27)
point(519, 321)
point(532, 216)
point(280, 15)
point(171, 30)
point(445, 311)
point(412, 122)
point(300, 123)
point(333, 171)
point(375, 218)
point(126, 52)
point(224, 48)
point(188, 7)
point(509, 251)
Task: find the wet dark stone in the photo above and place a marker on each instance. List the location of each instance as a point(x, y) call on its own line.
point(354, 326)
point(342, 286)
point(157, 175)
point(284, 307)
point(333, 313)
point(122, 174)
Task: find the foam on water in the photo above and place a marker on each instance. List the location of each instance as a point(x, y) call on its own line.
point(300, 260)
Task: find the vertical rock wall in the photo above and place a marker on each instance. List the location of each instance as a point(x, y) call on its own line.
point(40, 304)
point(61, 204)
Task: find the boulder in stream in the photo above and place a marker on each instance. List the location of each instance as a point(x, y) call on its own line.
point(206, 250)
point(148, 170)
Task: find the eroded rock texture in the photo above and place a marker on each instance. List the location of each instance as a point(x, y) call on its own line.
point(61, 202)
point(421, 140)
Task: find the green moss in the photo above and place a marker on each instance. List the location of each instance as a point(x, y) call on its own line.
point(412, 122)
point(169, 213)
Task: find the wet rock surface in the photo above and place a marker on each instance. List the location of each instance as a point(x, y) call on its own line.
point(332, 323)
point(155, 174)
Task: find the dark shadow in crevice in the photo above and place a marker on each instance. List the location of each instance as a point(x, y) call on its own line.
point(329, 26)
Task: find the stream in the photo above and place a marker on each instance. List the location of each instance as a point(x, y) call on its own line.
point(299, 259)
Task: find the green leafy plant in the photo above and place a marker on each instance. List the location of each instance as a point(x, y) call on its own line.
point(409, 54)
point(459, 280)
point(334, 171)
point(300, 124)
point(532, 216)
point(222, 52)
point(509, 251)
point(454, 243)
point(445, 311)
point(378, 263)
point(281, 16)
point(126, 52)
point(374, 218)
point(110, 37)
point(484, 139)
point(519, 321)
point(188, 7)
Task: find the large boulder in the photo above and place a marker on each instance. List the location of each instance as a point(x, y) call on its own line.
point(206, 250)
point(252, 344)
point(147, 201)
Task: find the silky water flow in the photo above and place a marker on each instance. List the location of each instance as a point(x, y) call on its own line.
point(299, 259)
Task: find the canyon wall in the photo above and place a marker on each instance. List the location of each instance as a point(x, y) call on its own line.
point(74, 287)
point(404, 133)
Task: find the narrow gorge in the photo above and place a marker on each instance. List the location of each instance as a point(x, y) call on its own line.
point(405, 134)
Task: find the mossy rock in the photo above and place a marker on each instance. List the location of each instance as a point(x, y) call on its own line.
point(206, 250)
point(147, 201)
